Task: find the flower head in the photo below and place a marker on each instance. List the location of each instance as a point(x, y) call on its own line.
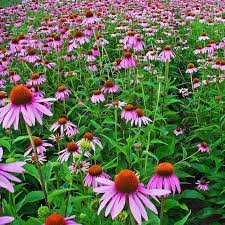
point(58, 219)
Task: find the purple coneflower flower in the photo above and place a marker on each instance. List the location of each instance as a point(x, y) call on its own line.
point(203, 37)
point(6, 220)
point(41, 159)
point(97, 96)
point(94, 172)
point(83, 166)
point(164, 178)
point(14, 78)
point(57, 219)
point(31, 57)
point(69, 56)
point(100, 41)
point(40, 145)
point(62, 93)
point(129, 113)
point(166, 55)
point(36, 80)
point(202, 185)
point(196, 82)
point(80, 38)
point(116, 104)
point(140, 118)
point(191, 68)
point(23, 102)
point(203, 147)
point(127, 60)
point(90, 18)
point(126, 188)
point(64, 125)
point(110, 87)
point(88, 136)
point(3, 98)
point(178, 131)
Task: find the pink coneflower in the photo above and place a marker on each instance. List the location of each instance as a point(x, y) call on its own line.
point(164, 178)
point(116, 104)
point(97, 96)
point(191, 68)
point(126, 188)
point(100, 41)
point(203, 147)
point(56, 137)
point(14, 45)
point(151, 55)
point(94, 172)
point(23, 102)
point(140, 118)
point(71, 149)
point(116, 65)
point(62, 93)
point(6, 176)
point(198, 50)
point(32, 159)
point(110, 87)
point(203, 37)
point(14, 78)
point(130, 40)
point(82, 167)
point(6, 220)
point(166, 55)
point(178, 131)
point(217, 65)
point(95, 51)
point(3, 98)
point(127, 60)
point(89, 31)
point(202, 185)
point(47, 63)
point(90, 57)
point(36, 80)
point(139, 44)
point(88, 136)
point(64, 126)
point(57, 219)
point(129, 113)
point(69, 57)
point(80, 38)
point(92, 67)
point(31, 56)
point(40, 145)
point(57, 43)
point(196, 82)
point(90, 18)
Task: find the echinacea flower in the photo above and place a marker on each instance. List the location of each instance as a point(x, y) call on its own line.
point(5, 173)
point(64, 125)
point(36, 80)
point(40, 145)
point(58, 219)
point(202, 185)
point(97, 96)
point(82, 166)
point(178, 131)
point(126, 188)
point(116, 104)
point(164, 178)
point(191, 68)
point(94, 172)
point(140, 118)
point(90, 138)
point(127, 60)
point(90, 18)
point(3, 98)
point(23, 102)
point(5, 220)
point(203, 147)
point(62, 93)
point(73, 149)
point(110, 87)
point(129, 113)
point(31, 56)
point(14, 78)
point(41, 158)
point(166, 55)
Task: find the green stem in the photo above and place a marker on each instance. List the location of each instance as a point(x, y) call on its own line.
point(184, 159)
point(37, 164)
point(161, 211)
point(143, 95)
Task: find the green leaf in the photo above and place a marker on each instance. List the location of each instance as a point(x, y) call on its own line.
point(5, 142)
point(47, 171)
point(192, 194)
point(31, 169)
point(183, 221)
point(58, 192)
point(20, 138)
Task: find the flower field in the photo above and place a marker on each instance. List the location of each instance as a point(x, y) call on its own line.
point(112, 112)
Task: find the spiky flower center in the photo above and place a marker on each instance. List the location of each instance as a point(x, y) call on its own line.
point(190, 66)
point(88, 135)
point(95, 170)
point(20, 95)
point(78, 33)
point(131, 33)
point(61, 88)
point(196, 80)
point(98, 36)
point(2, 95)
point(203, 182)
point(35, 76)
point(164, 169)
point(97, 92)
point(89, 13)
point(167, 48)
point(204, 144)
point(62, 120)
point(55, 219)
point(127, 54)
point(126, 181)
point(31, 51)
point(37, 141)
point(108, 83)
point(140, 112)
point(15, 40)
point(72, 146)
point(129, 107)
point(115, 103)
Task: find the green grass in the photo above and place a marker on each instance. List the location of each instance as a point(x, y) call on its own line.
point(5, 3)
